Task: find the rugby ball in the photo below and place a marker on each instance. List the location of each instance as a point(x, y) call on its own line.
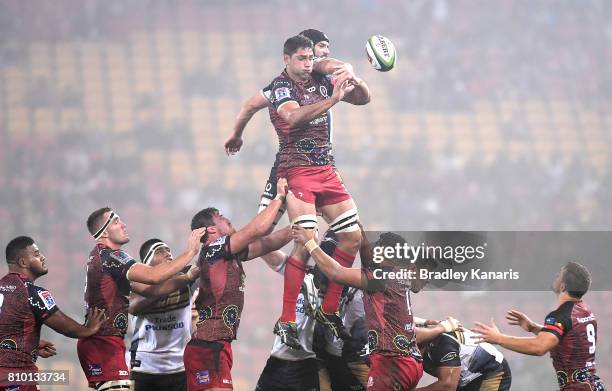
point(381, 53)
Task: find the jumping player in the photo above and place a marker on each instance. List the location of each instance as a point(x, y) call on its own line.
point(208, 356)
point(569, 333)
point(109, 272)
point(300, 100)
point(24, 307)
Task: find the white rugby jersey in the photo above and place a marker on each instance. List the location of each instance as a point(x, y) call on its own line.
point(160, 335)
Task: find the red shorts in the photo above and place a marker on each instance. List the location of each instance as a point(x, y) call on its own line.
point(393, 373)
point(208, 364)
point(319, 185)
point(13, 385)
point(102, 358)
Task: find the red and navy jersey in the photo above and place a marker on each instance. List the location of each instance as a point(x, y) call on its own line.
point(221, 298)
point(576, 328)
point(23, 309)
point(304, 145)
point(387, 307)
point(108, 287)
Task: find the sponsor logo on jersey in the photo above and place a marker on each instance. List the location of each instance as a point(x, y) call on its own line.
point(95, 370)
point(202, 377)
point(589, 318)
point(372, 340)
point(311, 89)
point(282, 93)
point(123, 373)
point(227, 381)
point(323, 91)
point(7, 288)
point(47, 299)
point(449, 356)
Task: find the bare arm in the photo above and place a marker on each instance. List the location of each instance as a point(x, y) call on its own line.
point(138, 303)
point(156, 274)
point(67, 326)
point(262, 223)
point(448, 379)
point(248, 109)
point(275, 260)
point(170, 285)
point(359, 95)
point(533, 346)
point(426, 334)
point(269, 243)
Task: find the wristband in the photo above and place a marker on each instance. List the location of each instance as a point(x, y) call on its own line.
point(311, 245)
point(449, 325)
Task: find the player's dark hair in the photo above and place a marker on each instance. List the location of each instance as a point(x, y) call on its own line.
point(15, 247)
point(297, 42)
point(577, 279)
point(94, 221)
point(204, 218)
point(146, 246)
point(315, 36)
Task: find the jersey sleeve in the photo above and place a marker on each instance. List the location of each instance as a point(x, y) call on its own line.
point(445, 352)
point(266, 92)
point(559, 322)
point(41, 302)
point(116, 263)
point(218, 250)
point(281, 92)
point(371, 283)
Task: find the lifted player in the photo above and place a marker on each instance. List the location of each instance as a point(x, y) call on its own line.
point(569, 333)
point(24, 307)
point(300, 100)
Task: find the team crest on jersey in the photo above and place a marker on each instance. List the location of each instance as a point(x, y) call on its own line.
point(402, 343)
point(202, 377)
point(581, 375)
point(47, 299)
point(372, 340)
point(305, 145)
point(120, 322)
point(282, 93)
point(8, 344)
point(230, 315)
point(204, 313)
point(323, 91)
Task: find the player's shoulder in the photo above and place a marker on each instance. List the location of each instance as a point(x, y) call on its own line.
point(282, 80)
point(217, 249)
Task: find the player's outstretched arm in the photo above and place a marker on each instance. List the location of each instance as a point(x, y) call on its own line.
point(248, 109)
point(269, 243)
point(517, 318)
point(156, 274)
point(448, 379)
point(426, 334)
point(533, 346)
point(170, 285)
point(67, 326)
point(262, 223)
point(332, 269)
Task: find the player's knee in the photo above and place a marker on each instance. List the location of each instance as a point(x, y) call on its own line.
point(114, 385)
point(306, 221)
point(347, 228)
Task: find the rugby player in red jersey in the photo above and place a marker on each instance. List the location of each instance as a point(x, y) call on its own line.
point(25, 307)
point(395, 360)
point(300, 101)
point(208, 356)
point(109, 273)
point(569, 333)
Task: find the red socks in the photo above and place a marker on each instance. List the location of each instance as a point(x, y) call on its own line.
point(294, 275)
point(334, 290)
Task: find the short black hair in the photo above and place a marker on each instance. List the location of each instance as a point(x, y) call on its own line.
point(577, 279)
point(94, 221)
point(204, 218)
point(315, 36)
point(146, 246)
point(15, 247)
point(296, 42)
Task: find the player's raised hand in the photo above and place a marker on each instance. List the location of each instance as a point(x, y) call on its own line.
point(233, 145)
point(517, 318)
point(282, 186)
point(193, 244)
point(95, 318)
point(302, 235)
point(340, 88)
point(46, 349)
point(486, 333)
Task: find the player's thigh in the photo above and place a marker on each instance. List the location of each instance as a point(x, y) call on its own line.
point(324, 380)
point(297, 207)
point(331, 212)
